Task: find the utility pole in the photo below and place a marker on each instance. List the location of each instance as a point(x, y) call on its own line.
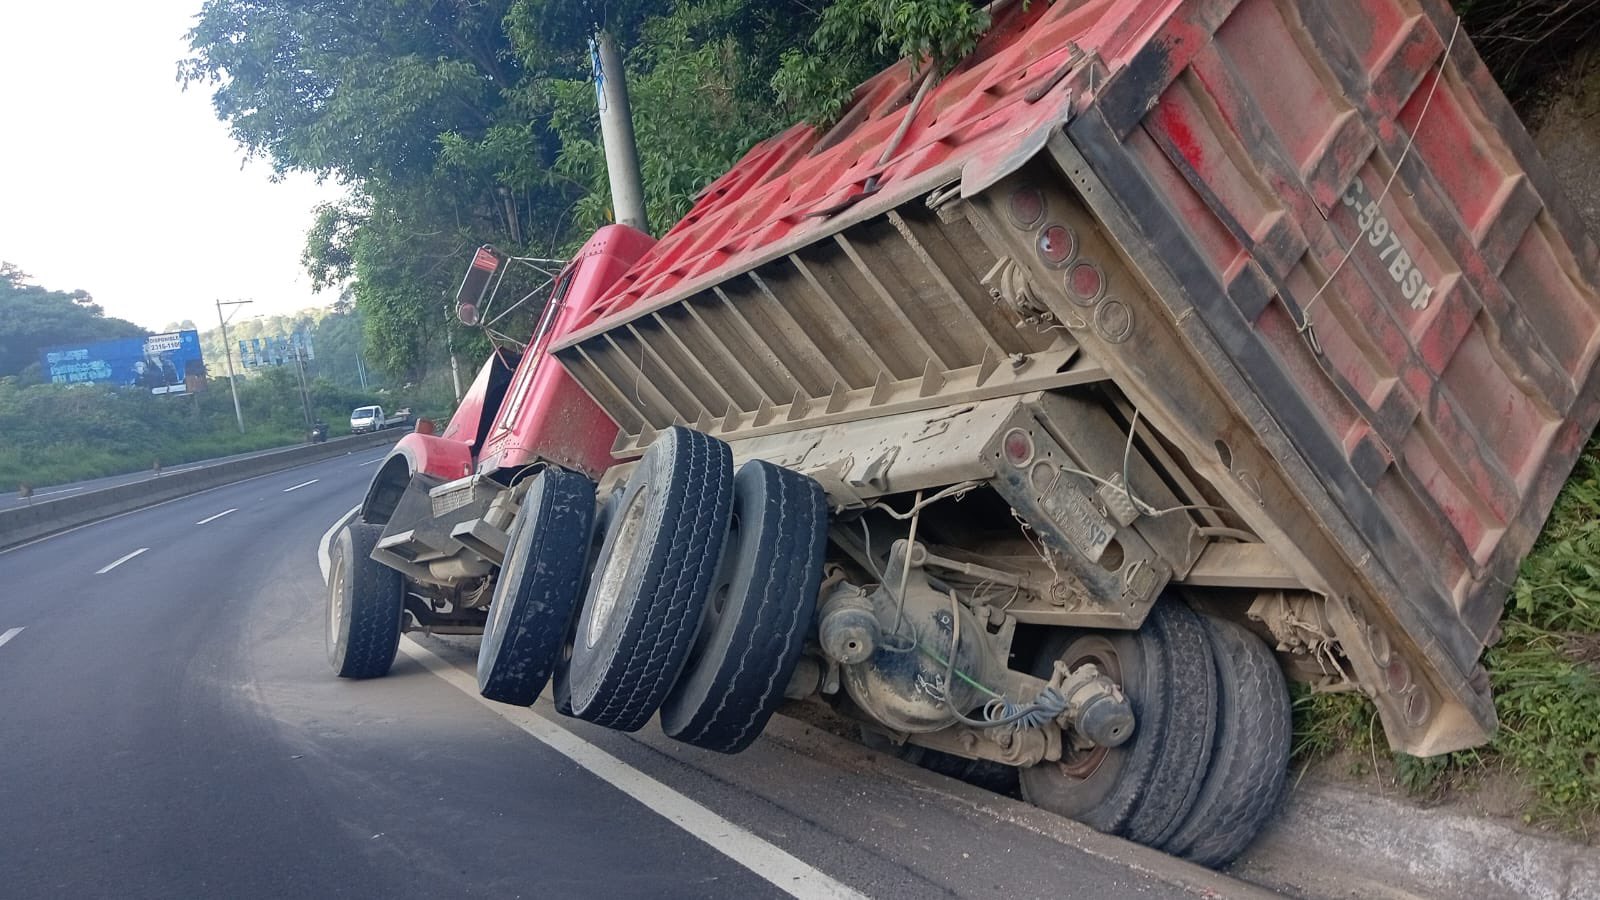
point(305, 395)
point(455, 367)
point(227, 348)
point(616, 132)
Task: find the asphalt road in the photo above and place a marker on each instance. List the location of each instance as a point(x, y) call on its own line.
point(169, 728)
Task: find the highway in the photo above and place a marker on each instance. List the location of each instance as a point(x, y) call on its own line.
point(169, 727)
point(44, 494)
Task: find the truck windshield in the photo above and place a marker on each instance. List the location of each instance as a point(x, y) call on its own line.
point(558, 297)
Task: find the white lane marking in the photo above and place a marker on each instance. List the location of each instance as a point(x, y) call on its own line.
point(323, 558)
point(121, 561)
point(37, 495)
point(782, 869)
point(10, 634)
point(185, 497)
point(373, 461)
point(217, 516)
point(785, 871)
point(301, 485)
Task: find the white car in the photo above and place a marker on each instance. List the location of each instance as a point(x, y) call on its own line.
point(367, 418)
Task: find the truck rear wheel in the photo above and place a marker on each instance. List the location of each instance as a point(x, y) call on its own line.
point(365, 603)
point(651, 580)
point(1250, 758)
point(759, 612)
point(537, 588)
point(1144, 789)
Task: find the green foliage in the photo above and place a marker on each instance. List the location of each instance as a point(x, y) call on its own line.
point(62, 433)
point(697, 81)
point(33, 318)
point(458, 124)
point(858, 37)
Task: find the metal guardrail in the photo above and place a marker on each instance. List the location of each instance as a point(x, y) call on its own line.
point(26, 523)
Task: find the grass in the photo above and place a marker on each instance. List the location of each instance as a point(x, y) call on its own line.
point(1545, 671)
point(43, 467)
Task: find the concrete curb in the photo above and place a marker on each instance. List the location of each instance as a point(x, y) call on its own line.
point(26, 523)
point(818, 743)
point(1331, 841)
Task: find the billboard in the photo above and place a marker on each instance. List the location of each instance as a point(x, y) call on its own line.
point(164, 363)
point(276, 351)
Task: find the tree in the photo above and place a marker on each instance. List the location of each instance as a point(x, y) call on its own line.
point(461, 122)
point(33, 318)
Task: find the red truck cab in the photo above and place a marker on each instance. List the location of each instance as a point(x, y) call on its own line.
point(522, 408)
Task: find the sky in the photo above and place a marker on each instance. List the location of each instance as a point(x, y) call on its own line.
point(115, 180)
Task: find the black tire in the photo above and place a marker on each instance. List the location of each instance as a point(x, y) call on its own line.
point(366, 600)
point(651, 581)
point(538, 588)
point(1143, 789)
point(1250, 756)
point(560, 682)
point(760, 609)
point(984, 773)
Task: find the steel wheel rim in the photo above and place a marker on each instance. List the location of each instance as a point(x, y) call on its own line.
point(618, 564)
point(1098, 650)
point(336, 602)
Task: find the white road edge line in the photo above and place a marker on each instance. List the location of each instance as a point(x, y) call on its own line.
point(11, 634)
point(121, 561)
point(323, 558)
point(217, 516)
point(373, 461)
point(301, 485)
point(777, 866)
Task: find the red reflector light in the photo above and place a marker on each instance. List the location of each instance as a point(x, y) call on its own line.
point(1018, 446)
point(1057, 245)
point(1027, 207)
point(1398, 674)
point(1085, 282)
point(485, 259)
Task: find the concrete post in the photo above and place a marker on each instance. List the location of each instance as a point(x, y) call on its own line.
point(616, 132)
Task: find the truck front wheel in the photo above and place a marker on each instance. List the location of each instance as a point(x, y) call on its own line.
point(365, 604)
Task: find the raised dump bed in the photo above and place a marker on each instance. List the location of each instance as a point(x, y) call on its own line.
point(1293, 269)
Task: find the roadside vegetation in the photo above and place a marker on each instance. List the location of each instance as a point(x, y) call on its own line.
point(55, 434)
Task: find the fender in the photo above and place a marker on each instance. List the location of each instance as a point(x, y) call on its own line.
point(435, 458)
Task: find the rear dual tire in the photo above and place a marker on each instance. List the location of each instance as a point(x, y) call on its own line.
point(1205, 768)
point(651, 580)
point(759, 613)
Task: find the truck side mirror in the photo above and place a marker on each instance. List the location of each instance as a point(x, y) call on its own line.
point(486, 264)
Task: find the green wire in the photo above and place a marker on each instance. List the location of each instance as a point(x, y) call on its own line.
point(960, 674)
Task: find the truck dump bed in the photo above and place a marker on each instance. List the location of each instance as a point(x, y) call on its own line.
point(1339, 278)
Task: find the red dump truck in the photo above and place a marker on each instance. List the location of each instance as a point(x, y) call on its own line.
point(1044, 418)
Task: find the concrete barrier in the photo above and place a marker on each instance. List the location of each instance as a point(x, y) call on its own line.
point(26, 523)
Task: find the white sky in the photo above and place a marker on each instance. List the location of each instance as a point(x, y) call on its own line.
point(114, 180)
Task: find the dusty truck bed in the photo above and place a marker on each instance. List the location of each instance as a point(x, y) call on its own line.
point(1309, 242)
